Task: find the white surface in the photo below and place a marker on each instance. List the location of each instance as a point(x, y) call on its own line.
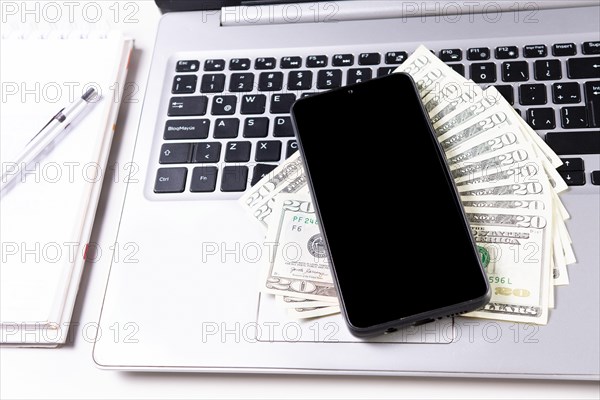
point(69, 372)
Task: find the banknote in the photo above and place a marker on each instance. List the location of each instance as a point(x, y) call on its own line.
point(298, 265)
point(287, 178)
point(273, 183)
point(516, 257)
point(450, 96)
point(296, 302)
point(312, 312)
point(489, 99)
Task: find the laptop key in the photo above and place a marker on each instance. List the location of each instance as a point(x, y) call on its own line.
point(270, 81)
point(383, 71)
point(329, 79)
point(260, 171)
point(268, 150)
point(204, 179)
point(531, 95)
point(282, 103)
point(483, 72)
point(515, 71)
point(574, 142)
point(187, 106)
point(583, 68)
point(265, 63)
point(226, 128)
point(478, 54)
point(507, 92)
point(369, 59)
point(507, 52)
point(535, 50)
point(207, 153)
point(573, 178)
point(541, 118)
point(459, 68)
point(235, 179)
point(396, 57)
point(291, 62)
point(357, 75)
point(175, 153)
point(592, 97)
point(170, 180)
point(253, 104)
point(239, 64)
point(214, 65)
point(343, 60)
point(564, 49)
point(566, 92)
point(571, 164)
point(451, 55)
point(300, 80)
point(292, 147)
point(238, 151)
point(591, 47)
point(256, 127)
point(547, 70)
point(573, 117)
point(186, 129)
point(243, 82)
point(212, 83)
point(187, 66)
point(184, 84)
point(317, 61)
point(283, 127)
point(224, 105)
point(596, 178)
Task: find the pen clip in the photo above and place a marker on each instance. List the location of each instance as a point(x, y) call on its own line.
point(59, 116)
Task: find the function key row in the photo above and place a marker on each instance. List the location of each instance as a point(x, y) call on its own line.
point(292, 62)
point(511, 52)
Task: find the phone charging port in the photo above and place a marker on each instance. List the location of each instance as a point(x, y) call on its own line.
point(423, 321)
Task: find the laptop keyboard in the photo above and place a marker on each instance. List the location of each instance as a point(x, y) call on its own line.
point(228, 122)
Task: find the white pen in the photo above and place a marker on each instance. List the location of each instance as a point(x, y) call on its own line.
point(61, 121)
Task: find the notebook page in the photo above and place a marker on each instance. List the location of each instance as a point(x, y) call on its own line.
point(42, 215)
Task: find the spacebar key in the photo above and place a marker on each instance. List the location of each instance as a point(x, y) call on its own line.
point(574, 142)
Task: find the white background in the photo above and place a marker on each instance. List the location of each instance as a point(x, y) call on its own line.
point(69, 372)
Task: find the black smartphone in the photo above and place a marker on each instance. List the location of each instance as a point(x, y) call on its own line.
point(400, 247)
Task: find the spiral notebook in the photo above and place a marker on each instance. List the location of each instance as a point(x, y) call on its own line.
point(46, 218)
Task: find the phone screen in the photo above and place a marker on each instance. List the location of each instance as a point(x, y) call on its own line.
point(397, 237)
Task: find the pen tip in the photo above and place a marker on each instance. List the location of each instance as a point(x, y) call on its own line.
point(89, 94)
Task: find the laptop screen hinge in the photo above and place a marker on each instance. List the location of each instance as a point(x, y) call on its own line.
point(336, 11)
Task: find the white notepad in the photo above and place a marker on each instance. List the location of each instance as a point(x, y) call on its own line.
point(46, 218)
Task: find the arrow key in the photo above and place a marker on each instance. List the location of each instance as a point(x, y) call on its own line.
point(573, 178)
point(571, 164)
point(207, 153)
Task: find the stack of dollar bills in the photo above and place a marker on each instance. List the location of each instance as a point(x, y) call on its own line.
point(507, 179)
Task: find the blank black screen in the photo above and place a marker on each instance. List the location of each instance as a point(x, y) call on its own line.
point(360, 144)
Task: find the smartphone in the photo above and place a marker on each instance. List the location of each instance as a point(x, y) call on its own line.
point(399, 245)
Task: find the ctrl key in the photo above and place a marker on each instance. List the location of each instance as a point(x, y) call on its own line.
point(170, 180)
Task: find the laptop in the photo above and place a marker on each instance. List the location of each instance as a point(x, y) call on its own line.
point(184, 292)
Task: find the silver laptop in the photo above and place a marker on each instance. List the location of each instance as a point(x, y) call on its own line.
point(188, 300)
